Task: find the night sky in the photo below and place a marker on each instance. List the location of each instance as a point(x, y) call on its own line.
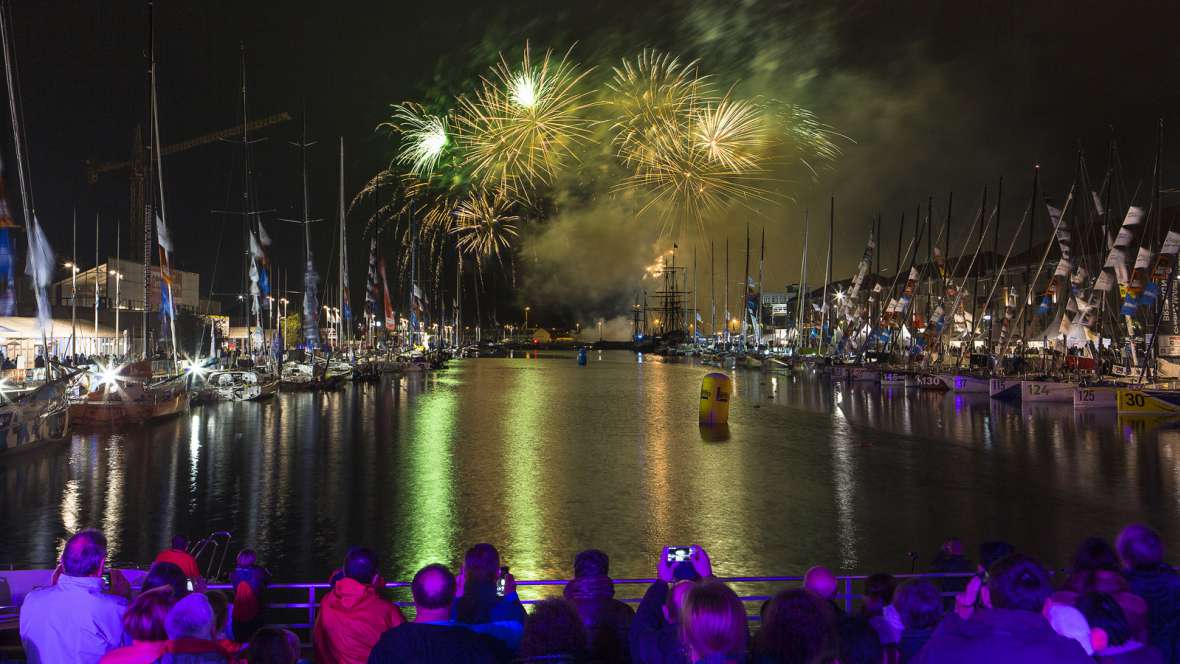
point(938, 97)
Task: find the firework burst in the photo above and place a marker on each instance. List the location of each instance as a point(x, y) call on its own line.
point(522, 124)
point(423, 138)
point(485, 225)
point(811, 143)
point(690, 151)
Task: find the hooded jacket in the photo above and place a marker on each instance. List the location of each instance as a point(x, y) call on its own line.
point(351, 619)
point(1000, 635)
point(653, 639)
point(607, 620)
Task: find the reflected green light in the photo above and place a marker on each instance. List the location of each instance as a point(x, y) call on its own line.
point(431, 528)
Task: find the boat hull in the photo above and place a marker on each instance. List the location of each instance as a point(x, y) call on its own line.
point(1003, 389)
point(1046, 391)
point(864, 375)
point(1095, 397)
point(1148, 402)
point(925, 381)
point(892, 379)
point(27, 425)
point(970, 385)
point(107, 412)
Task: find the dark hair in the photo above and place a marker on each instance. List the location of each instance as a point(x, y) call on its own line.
point(881, 586)
point(797, 628)
point(918, 603)
point(246, 558)
point(591, 562)
point(361, 564)
point(713, 620)
point(858, 642)
point(1094, 554)
point(180, 542)
point(273, 645)
point(1103, 612)
point(166, 574)
point(220, 605)
point(421, 587)
point(553, 628)
point(1019, 582)
point(673, 602)
point(84, 553)
point(992, 552)
point(144, 619)
point(1140, 547)
point(481, 564)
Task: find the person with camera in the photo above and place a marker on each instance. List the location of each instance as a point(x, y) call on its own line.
point(655, 632)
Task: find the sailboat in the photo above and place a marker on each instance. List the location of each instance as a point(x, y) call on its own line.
point(254, 380)
point(33, 414)
point(131, 393)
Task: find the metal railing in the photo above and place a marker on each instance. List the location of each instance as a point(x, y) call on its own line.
point(299, 613)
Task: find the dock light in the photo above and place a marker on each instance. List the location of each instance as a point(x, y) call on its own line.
point(108, 376)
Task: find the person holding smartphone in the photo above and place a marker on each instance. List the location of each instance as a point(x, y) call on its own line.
point(486, 598)
point(655, 631)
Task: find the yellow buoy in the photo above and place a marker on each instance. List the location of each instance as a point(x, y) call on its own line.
point(715, 392)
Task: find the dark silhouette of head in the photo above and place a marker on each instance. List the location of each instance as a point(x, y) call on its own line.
point(433, 587)
point(166, 574)
point(481, 564)
point(858, 642)
point(1019, 582)
point(220, 604)
point(84, 554)
point(180, 542)
point(1140, 547)
point(1095, 554)
point(144, 619)
point(246, 558)
point(797, 627)
point(879, 590)
point(554, 629)
point(591, 562)
point(273, 645)
point(918, 603)
point(361, 565)
point(713, 621)
point(992, 552)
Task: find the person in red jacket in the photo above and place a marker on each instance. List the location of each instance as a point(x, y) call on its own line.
point(353, 616)
point(178, 555)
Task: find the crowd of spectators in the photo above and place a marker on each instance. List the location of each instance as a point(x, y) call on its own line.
point(1116, 603)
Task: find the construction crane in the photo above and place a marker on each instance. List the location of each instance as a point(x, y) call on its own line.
point(136, 166)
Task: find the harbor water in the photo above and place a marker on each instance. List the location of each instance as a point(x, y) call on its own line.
point(544, 457)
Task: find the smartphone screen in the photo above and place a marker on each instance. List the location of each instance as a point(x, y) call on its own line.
point(106, 579)
point(188, 584)
point(500, 581)
point(679, 554)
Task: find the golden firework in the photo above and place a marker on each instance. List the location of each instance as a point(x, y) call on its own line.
point(521, 125)
point(485, 225)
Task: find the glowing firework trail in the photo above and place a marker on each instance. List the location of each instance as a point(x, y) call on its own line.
point(521, 126)
point(423, 138)
point(485, 225)
point(808, 140)
point(690, 151)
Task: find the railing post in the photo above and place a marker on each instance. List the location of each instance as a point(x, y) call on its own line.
point(848, 595)
point(310, 610)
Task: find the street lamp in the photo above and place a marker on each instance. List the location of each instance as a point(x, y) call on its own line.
point(526, 317)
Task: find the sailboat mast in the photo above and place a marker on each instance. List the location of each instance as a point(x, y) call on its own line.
point(712, 294)
point(802, 284)
point(823, 318)
point(340, 290)
point(746, 288)
point(147, 225)
point(727, 292)
point(761, 275)
point(96, 282)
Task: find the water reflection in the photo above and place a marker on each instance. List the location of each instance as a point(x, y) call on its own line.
point(545, 458)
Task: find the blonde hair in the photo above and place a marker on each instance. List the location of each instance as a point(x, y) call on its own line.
point(713, 620)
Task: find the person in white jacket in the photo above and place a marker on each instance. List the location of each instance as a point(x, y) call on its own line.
point(74, 620)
